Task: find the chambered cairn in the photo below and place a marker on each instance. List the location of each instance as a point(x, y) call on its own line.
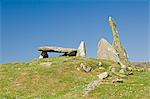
point(115, 51)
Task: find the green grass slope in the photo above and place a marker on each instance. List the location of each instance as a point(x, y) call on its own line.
point(62, 78)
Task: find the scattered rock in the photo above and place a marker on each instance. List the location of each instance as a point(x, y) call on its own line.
point(129, 68)
point(100, 64)
point(85, 68)
point(119, 80)
point(82, 49)
point(113, 69)
point(140, 69)
point(101, 68)
point(106, 51)
point(130, 73)
point(78, 69)
point(122, 71)
point(103, 75)
point(91, 86)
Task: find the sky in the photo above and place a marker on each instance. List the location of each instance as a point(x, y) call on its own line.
point(29, 24)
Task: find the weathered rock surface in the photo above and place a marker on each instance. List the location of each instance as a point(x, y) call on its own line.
point(123, 71)
point(106, 51)
point(85, 68)
point(117, 80)
point(82, 49)
point(103, 75)
point(91, 86)
point(113, 69)
point(66, 51)
point(117, 43)
point(100, 64)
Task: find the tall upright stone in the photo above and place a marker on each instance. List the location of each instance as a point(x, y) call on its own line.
point(81, 49)
point(117, 42)
point(106, 51)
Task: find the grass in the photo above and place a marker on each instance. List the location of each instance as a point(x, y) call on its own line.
point(59, 78)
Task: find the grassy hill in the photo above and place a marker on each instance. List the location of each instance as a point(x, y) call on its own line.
point(62, 78)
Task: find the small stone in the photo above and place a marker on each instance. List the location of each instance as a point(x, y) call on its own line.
point(91, 86)
point(130, 73)
point(122, 71)
point(113, 69)
point(119, 80)
point(78, 69)
point(129, 68)
point(100, 64)
point(103, 75)
point(85, 68)
point(101, 68)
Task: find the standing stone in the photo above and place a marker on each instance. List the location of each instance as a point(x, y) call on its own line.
point(106, 51)
point(82, 49)
point(43, 55)
point(117, 42)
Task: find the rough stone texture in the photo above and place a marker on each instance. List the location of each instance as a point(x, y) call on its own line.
point(117, 80)
point(100, 64)
point(122, 65)
point(123, 71)
point(91, 86)
point(106, 51)
point(103, 75)
point(85, 68)
point(66, 51)
point(113, 69)
point(82, 49)
point(117, 42)
point(43, 55)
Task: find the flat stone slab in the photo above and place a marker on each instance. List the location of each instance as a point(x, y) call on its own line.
point(57, 49)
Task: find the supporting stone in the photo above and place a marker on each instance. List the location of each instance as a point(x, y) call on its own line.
point(117, 42)
point(82, 49)
point(43, 55)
